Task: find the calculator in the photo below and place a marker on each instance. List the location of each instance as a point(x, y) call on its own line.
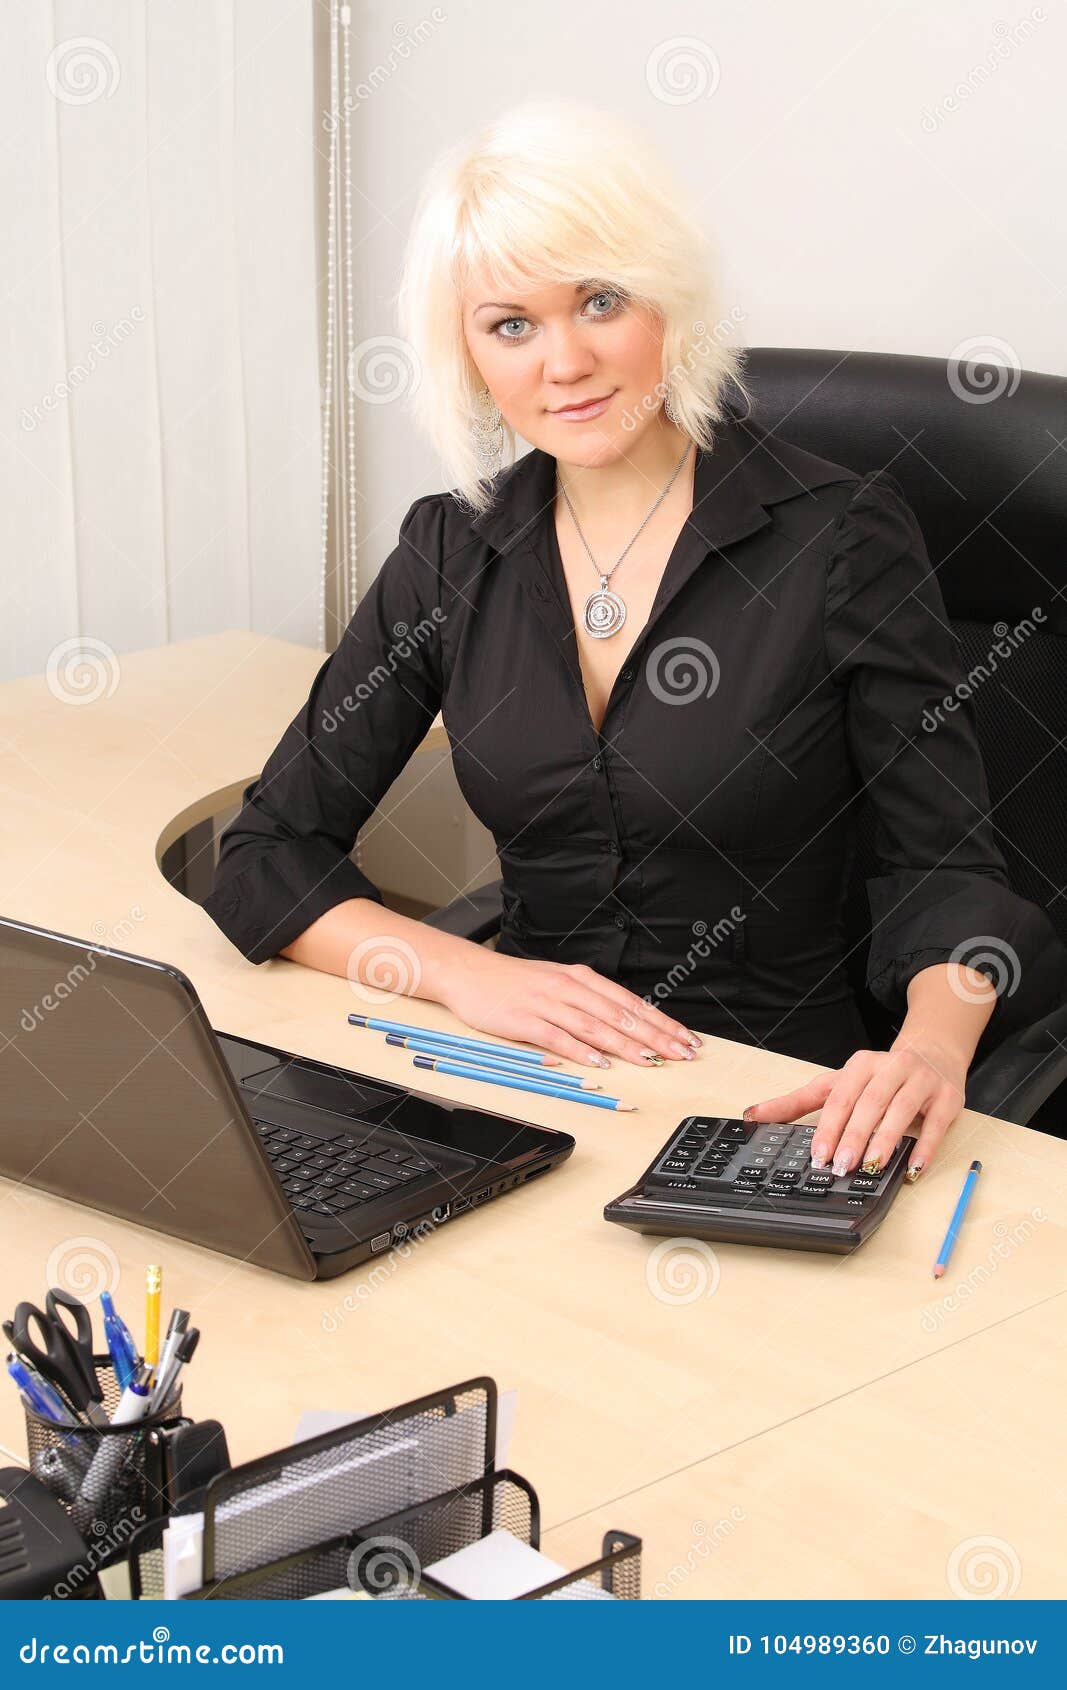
point(750, 1182)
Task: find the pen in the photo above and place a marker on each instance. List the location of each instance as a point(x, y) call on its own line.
point(133, 1406)
point(957, 1219)
point(153, 1284)
point(183, 1351)
point(179, 1320)
point(537, 1058)
point(120, 1345)
point(431, 1047)
point(464, 1071)
point(39, 1394)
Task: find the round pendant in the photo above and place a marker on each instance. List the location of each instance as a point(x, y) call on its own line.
point(604, 613)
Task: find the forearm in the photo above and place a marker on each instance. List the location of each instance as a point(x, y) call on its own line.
point(948, 1006)
point(362, 940)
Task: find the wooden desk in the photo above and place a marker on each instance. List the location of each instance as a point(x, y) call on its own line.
point(795, 1386)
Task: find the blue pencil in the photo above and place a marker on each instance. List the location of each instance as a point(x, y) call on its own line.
point(431, 1047)
point(453, 1039)
point(957, 1219)
point(464, 1071)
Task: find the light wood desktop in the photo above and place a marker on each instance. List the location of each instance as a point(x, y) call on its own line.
point(829, 1426)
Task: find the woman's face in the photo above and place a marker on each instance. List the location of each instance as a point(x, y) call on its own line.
point(562, 346)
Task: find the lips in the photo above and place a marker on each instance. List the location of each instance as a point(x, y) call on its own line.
point(588, 406)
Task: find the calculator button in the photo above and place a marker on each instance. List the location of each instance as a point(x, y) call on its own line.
point(674, 1165)
point(819, 1180)
point(761, 1161)
point(746, 1186)
point(777, 1188)
point(750, 1171)
point(861, 1182)
point(786, 1176)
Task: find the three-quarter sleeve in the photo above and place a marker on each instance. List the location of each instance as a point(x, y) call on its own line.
point(284, 861)
point(942, 892)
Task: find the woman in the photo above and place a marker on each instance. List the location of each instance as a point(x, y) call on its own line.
point(668, 653)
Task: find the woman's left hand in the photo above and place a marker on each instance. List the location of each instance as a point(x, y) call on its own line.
point(871, 1102)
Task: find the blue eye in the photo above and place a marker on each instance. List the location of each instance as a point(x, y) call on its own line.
point(616, 302)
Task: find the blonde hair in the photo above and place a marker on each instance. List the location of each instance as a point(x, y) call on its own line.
point(556, 191)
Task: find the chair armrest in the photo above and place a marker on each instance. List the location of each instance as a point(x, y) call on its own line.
point(474, 915)
point(1018, 1075)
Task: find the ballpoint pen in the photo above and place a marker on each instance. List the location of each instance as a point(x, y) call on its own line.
point(39, 1394)
point(120, 1345)
point(153, 1284)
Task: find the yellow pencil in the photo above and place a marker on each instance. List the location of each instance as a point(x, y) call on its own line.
point(153, 1287)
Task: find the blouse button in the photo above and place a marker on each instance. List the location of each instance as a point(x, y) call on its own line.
point(626, 675)
point(620, 921)
point(598, 763)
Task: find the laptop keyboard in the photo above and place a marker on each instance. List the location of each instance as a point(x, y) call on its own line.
point(329, 1176)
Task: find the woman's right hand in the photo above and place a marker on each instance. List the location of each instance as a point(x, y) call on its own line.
point(566, 1008)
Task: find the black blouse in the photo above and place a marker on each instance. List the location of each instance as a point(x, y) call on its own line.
point(697, 848)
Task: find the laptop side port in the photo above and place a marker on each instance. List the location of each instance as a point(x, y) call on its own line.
point(459, 1204)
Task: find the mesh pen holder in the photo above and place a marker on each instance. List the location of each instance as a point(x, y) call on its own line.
point(124, 1489)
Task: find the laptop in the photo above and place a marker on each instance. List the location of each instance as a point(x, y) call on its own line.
point(116, 1091)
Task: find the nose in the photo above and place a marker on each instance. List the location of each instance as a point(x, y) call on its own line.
point(568, 356)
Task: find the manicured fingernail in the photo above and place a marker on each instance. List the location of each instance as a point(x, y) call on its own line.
point(841, 1164)
point(600, 1061)
point(749, 1114)
point(653, 1056)
point(694, 1041)
point(818, 1158)
point(679, 1049)
point(914, 1171)
point(872, 1165)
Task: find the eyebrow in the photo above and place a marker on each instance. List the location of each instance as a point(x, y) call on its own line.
point(510, 305)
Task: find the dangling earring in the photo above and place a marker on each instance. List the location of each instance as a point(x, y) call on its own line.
point(487, 430)
point(668, 408)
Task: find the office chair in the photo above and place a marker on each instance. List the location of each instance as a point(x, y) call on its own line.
point(980, 454)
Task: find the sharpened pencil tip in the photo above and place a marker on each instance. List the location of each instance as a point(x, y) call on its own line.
point(938, 1272)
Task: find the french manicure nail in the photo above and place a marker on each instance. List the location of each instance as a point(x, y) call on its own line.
point(694, 1041)
point(680, 1049)
point(818, 1160)
point(841, 1165)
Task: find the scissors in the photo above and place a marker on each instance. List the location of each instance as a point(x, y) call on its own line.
point(64, 1356)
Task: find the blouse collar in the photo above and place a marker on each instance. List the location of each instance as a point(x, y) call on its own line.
point(746, 471)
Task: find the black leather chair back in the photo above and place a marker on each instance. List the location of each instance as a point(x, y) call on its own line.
point(981, 453)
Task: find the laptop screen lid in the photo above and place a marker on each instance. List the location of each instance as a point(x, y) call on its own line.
point(113, 1093)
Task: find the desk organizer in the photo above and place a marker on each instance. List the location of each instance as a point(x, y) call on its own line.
point(60, 1456)
point(369, 1506)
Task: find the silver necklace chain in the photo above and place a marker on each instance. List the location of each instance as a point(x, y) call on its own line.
point(604, 611)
